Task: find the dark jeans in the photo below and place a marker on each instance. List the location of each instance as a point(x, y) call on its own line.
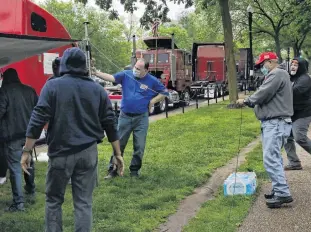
point(13, 153)
point(3, 162)
point(298, 134)
point(139, 126)
point(81, 168)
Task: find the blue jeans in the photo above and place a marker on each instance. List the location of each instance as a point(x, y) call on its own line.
point(139, 126)
point(274, 136)
point(13, 153)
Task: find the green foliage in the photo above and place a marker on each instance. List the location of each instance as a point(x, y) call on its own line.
point(107, 35)
point(182, 38)
point(181, 153)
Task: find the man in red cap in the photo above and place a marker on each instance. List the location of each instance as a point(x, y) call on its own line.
point(273, 106)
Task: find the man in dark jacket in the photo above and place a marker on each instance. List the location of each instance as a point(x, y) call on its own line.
point(16, 104)
point(79, 112)
point(55, 68)
point(302, 112)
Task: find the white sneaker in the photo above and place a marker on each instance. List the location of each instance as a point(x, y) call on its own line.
point(2, 180)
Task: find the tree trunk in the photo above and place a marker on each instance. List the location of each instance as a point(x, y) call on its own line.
point(230, 60)
point(278, 47)
point(296, 49)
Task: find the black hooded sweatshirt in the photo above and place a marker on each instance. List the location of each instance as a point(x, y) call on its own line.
point(301, 91)
point(78, 110)
point(16, 104)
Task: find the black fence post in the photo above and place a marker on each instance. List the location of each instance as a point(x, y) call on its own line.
point(245, 86)
point(208, 96)
point(116, 109)
point(216, 89)
point(196, 100)
point(166, 107)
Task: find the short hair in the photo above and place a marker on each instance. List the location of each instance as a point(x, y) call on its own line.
point(146, 66)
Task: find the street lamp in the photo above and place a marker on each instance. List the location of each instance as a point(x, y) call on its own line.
point(250, 11)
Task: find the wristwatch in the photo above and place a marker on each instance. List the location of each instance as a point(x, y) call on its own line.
point(27, 150)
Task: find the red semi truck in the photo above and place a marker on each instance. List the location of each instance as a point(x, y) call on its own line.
point(209, 70)
point(202, 73)
point(30, 38)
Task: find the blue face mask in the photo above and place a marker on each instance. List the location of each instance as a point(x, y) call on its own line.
point(264, 70)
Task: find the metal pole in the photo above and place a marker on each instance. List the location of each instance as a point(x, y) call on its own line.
point(208, 96)
point(196, 100)
point(251, 62)
point(133, 61)
point(88, 53)
point(166, 107)
point(288, 58)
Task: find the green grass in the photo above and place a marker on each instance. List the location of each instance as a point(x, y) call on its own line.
point(225, 214)
point(181, 153)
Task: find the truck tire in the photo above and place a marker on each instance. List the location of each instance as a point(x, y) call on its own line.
point(160, 107)
point(185, 99)
point(221, 91)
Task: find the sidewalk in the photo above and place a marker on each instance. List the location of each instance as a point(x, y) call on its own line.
point(292, 217)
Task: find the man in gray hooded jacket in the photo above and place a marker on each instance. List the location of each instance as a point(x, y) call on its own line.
point(273, 104)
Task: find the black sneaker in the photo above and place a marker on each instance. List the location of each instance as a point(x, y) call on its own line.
point(269, 195)
point(16, 207)
point(292, 167)
point(111, 175)
point(277, 202)
point(134, 174)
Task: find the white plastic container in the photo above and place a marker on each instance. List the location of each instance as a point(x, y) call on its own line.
point(245, 183)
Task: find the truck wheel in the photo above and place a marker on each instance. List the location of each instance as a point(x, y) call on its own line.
point(160, 107)
point(152, 110)
point(221, 92)
point(185, 98)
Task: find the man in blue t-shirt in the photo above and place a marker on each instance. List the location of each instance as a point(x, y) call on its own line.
point(140, 91)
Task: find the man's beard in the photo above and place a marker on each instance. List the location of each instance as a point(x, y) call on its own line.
point(293, 72)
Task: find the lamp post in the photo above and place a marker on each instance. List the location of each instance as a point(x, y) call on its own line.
point(250, 11)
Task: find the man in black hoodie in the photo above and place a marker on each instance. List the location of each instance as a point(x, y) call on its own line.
point(79, 112)
point(55, 68)
point(16, 104)
point(302, 112)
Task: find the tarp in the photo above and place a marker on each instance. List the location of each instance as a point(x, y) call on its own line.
point(14, 48)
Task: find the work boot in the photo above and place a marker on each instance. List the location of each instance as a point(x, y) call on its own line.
point(277, 202)
point(111, 175)
point(16, 207)
point(269, 195)
point(290, 167)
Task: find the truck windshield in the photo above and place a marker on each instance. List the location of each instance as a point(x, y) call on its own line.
point(162, 58)
point(149, 58)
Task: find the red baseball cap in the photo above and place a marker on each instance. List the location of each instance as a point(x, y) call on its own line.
point(265, 56)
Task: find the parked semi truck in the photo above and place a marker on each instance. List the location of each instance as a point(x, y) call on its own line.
point(30, 39)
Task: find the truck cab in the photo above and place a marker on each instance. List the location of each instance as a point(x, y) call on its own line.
point(209, 70)
point(30, 39)
point(171, 65)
